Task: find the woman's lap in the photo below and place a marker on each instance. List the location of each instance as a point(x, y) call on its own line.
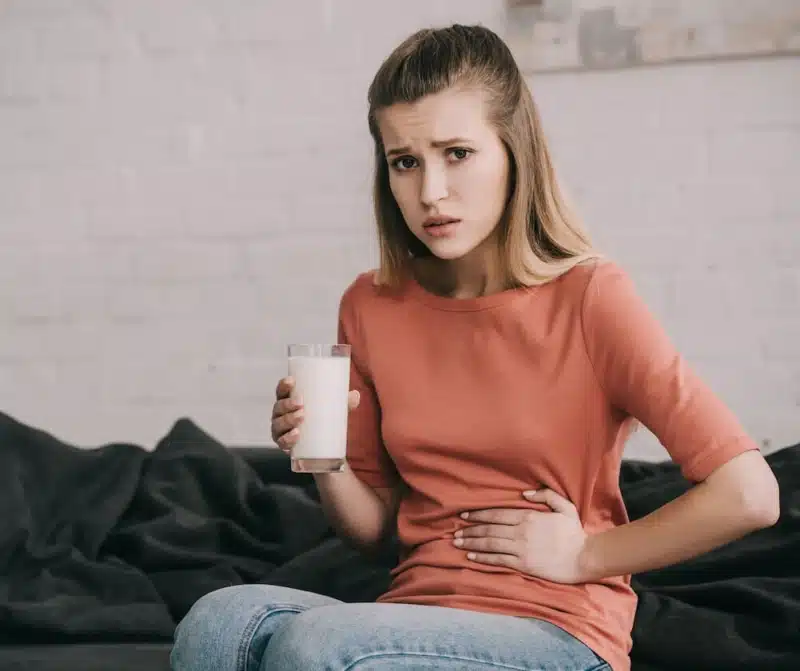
point(260, 627)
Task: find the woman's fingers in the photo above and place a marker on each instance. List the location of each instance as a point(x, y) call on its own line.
point(287, 441)
point(288, 413)
point(286, 406)
point(510, 516)
point(495, 530)
point(492, 544)
point(286, 403)
point(284, 388)
point(286, 423)
point(552, 500)
point(353, 399)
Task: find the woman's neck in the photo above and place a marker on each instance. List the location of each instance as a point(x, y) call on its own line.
point(468, 277)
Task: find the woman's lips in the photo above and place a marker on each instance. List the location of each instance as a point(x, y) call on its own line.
point(442, 229)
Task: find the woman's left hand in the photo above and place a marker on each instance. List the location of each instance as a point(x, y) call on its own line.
point(546, 544)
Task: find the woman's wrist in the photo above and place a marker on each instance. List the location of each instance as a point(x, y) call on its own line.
point(589, 566)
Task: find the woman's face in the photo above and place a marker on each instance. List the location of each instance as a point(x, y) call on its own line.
point(448, 169)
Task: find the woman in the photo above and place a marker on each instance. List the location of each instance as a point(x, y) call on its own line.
point(498, 367)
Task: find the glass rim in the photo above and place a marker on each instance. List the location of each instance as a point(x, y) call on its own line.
point(318, 349)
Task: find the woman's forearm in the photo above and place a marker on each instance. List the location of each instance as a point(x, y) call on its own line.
point(740, 497)
point(356, 511)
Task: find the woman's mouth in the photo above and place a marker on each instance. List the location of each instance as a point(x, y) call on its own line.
point(440, 226)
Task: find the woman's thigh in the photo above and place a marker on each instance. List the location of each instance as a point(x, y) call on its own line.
point(229, 629)
point(380, 637)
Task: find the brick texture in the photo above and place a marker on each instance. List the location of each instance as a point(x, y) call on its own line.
point(184, 188)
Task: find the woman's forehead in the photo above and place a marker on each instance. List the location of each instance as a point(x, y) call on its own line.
point(434, 119)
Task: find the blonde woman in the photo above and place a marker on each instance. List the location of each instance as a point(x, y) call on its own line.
point(498, 367)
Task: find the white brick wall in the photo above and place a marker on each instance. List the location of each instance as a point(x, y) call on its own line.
point(184, 188)
point(689, 176)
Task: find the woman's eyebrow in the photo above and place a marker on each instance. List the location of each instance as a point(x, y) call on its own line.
point(438, 144)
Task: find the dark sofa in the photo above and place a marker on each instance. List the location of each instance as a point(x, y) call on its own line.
point(103, 550)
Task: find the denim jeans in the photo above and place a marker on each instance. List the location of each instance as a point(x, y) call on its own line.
point(265, 628)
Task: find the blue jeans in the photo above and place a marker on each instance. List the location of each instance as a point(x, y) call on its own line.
point(265, 628)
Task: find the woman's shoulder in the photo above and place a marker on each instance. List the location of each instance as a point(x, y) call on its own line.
point(597, 283)
point(605, 292)
point(592, 272)
point(366, 290)
point(363, 286)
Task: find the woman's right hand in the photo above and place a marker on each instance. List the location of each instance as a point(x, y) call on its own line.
point(287, 414)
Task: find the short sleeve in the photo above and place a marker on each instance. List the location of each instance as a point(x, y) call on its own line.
point(643, 375)
point(366, 454)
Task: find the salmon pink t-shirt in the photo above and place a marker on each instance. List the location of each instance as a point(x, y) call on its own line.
point(466, 403)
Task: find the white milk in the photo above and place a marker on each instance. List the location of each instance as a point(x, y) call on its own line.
point(323, 382)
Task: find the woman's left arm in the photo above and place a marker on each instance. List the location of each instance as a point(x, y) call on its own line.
point(644, 375)
point(739, 497)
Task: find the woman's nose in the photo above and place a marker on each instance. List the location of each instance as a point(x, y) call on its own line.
point(434, 186)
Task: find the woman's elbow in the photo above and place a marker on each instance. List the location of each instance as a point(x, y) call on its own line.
point(760, 496)
point(751, 488)
point(763, 503)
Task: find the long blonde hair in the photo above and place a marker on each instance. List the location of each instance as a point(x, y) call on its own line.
point(540, 238)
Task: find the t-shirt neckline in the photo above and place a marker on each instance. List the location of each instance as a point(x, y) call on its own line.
point(415, 290)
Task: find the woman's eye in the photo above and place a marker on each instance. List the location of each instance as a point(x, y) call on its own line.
point(404, 163)
point(459, 154)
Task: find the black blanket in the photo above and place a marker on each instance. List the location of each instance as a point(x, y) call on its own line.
point(115, 543)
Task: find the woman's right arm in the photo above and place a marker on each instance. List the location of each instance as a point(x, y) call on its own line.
point(358, 512)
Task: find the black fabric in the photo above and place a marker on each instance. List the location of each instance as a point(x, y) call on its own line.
point(86, 657)
point(736, 608)
point(116, 543)
point(106, 549)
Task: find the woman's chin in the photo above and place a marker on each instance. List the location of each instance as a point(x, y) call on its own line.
point(449, 252)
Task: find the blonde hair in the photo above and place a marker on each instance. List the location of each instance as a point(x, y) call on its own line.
point(540, 238)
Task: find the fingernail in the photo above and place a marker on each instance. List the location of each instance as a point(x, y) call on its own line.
point(471, 555)
point(458, 534)
point(458, 542)
point(530, 492)
point(298, 400)
point(464, 515)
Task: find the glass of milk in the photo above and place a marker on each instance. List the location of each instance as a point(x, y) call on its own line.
point(322, 379)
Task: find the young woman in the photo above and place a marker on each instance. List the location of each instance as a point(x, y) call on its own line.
point(498, 367)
